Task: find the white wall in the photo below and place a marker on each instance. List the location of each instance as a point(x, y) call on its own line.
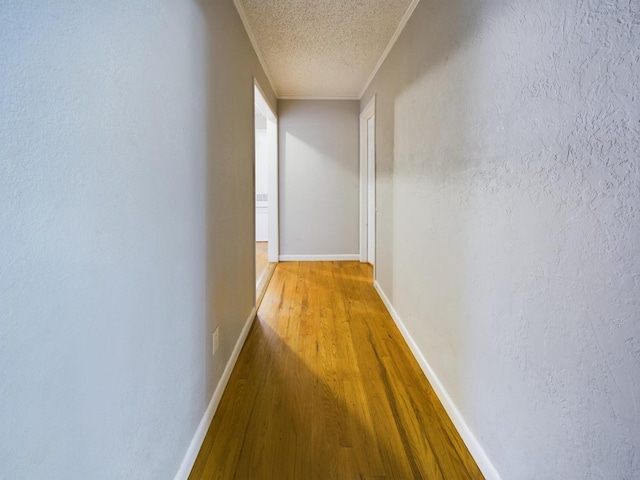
point(262, 165)
point(262, 181)
point(126, 224)
point(318, 157)
point(508, 141)
point(261, 152)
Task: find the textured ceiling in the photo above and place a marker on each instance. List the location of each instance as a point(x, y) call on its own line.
point(322, 48)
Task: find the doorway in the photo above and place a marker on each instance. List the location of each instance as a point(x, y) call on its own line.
point(368, 184)
point(266, 190)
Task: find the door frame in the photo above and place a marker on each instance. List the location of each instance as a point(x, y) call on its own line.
point(260, 102)
point(368, 112)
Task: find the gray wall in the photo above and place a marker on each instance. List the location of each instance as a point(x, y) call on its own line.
point(126, 229)
point(508, 140)
point(318, 158)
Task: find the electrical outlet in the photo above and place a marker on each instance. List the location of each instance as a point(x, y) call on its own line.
point(216, 341)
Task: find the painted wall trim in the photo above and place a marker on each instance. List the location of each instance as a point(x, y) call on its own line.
point(319, 258)
point(476, 450)
point(305, 97)
point(254, 43)
point(403, 22)
point(203, 426)
point(273, 176)
point(368, 112)
point(269, 111)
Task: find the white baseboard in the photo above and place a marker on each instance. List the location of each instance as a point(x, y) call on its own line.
point(476, 450)
point(203, 427)
point(319, 258)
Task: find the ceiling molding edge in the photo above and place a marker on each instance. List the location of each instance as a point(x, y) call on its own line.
point(403, 22)
point(305, 97)
point(272, 112)
point(254, 44)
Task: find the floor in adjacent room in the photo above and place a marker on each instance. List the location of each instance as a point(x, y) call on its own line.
point(262, 259)
point(264, 269)
point(326, 388)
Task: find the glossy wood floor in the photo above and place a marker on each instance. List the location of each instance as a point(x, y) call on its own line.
point(264, 269)
point(326, 388)
point(262, 260)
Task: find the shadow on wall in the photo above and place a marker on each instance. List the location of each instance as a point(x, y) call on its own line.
point(316, 122)
point(230, 207)
point(507, 139)
point(417, 161)
point(318, 161)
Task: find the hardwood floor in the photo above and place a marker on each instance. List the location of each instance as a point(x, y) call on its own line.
point(262, 259)
point(326, 388)
point(264, 270)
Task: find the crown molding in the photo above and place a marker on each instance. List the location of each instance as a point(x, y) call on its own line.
point(254, 43)
point(403, 22)
point(307, 97)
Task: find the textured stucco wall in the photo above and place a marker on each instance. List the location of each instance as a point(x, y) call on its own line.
point(126, 225)
point(508, 150)
point(318, 158)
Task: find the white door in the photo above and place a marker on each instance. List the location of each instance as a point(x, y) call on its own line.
point(371, 191)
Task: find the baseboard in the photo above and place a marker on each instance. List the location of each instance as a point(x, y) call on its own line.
point(203, 427)
point(319, 258)
point(476, 450)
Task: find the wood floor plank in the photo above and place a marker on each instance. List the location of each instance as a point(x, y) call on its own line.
point(326, 388)
point(262, 258)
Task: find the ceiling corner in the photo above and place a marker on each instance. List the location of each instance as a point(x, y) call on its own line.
point(254, 44)
point(403, 22)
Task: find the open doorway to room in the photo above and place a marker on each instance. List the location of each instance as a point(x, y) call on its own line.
point(266, 190)
point(262, 193)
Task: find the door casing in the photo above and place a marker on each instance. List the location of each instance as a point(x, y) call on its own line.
point(268, 111)
point(367, 184)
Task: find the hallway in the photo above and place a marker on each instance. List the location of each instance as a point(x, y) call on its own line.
point(326, 387)
point(504, 140)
